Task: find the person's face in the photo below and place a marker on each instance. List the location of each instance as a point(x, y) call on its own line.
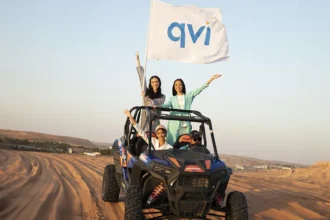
point(161, 134)
point(194, 141)
point(178, 86)
point(155, 83)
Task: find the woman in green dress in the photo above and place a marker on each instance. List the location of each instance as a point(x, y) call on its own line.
point(182, 100)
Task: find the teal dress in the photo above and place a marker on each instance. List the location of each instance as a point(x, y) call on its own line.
point(173, 128)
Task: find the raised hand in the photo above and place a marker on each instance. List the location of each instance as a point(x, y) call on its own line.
point(137, 59)
point(216, 76)
point(127, 113)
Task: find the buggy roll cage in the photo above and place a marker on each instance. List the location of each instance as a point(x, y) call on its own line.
point(155, 115)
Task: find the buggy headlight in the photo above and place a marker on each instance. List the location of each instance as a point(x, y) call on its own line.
point(161, 171)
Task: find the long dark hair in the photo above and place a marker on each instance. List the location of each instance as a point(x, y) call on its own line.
point(183, 87)
point(150, 92)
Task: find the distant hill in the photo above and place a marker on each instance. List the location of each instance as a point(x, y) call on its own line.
point(35, 136)
point(250, 161)
point(102, 145)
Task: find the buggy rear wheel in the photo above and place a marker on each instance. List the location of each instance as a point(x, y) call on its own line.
point(133, 204)
point(110, 187)
point(237, 206)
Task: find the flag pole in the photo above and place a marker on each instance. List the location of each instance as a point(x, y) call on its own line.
point(146, 51)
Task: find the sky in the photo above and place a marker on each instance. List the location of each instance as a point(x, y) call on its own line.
point(68, 68)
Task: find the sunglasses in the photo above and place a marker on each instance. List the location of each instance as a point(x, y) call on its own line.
point(196, 138)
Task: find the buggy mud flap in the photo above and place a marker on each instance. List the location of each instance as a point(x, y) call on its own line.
point(116, 156)
point(124, 157)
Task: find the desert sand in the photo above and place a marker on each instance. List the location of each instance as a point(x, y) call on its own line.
point(37, 185)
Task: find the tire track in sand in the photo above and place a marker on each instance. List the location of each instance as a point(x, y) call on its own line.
point(87, 181)
point(21, 199)
point(76, 182)
point(51, 186)
point(114, 209)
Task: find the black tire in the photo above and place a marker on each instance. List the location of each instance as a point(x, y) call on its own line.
point(110, 187)
point(237, 206)
point(133, 205)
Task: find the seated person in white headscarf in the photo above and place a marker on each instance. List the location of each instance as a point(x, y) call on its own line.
point(160, 142)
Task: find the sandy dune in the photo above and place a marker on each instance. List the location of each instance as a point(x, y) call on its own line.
point(319, 173)
point(275, 195)
point(61, 186)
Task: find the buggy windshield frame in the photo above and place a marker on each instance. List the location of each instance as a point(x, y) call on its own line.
point(194, 116)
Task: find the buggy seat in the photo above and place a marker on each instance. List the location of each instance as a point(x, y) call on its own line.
point(138, 144)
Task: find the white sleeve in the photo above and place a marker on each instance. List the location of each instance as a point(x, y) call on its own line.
point(168, 146)
point(141, 132)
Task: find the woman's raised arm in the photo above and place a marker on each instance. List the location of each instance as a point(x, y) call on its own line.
point(137, 56)
point(216, 76)
point(196, 92)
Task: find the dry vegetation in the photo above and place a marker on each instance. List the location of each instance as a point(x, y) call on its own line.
point(35, 136)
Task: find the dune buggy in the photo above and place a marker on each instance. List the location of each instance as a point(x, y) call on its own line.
point(178, 182)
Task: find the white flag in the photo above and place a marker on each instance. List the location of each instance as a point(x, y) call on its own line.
point(186, 33)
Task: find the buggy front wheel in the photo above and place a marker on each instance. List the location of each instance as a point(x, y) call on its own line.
point(110, 187)
point(133, 204)
point(237, 206)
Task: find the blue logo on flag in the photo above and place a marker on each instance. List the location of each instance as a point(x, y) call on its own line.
point(182, 37)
